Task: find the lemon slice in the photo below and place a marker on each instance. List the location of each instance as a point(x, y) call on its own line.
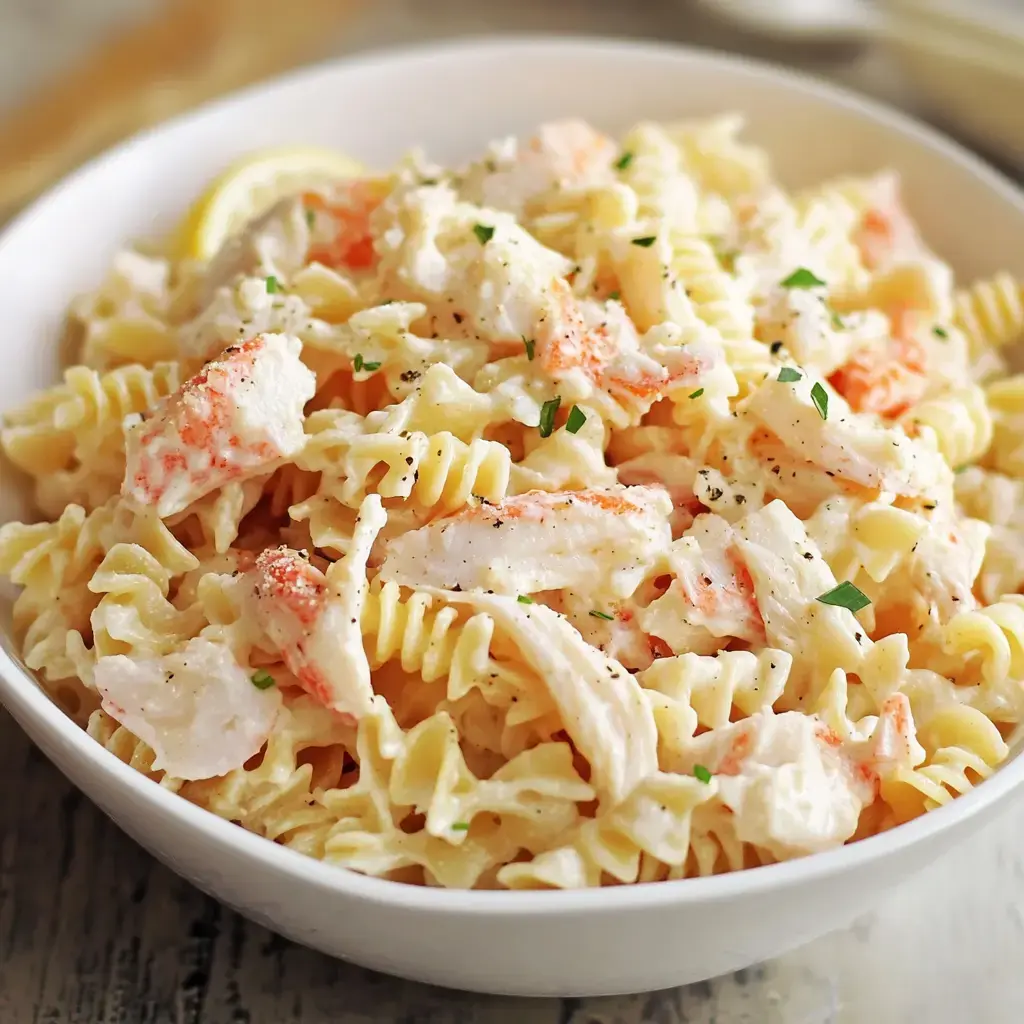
point(250, 187)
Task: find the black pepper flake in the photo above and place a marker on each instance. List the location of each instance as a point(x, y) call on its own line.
point(776, 347)
point(715, 493)
point(808, 555)
point(457, 317)
point(740, 499)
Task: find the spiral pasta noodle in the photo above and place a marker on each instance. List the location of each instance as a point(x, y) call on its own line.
point(991, 313)
point(963, 746)
point(960, 421)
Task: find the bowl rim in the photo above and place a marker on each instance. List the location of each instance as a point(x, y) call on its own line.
point(26, 699)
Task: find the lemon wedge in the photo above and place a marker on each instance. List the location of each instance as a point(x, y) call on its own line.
point(250, 187)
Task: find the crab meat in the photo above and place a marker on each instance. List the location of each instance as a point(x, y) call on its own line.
point(791, 788)
point(601, 705)
point(314, 619)
point(712, 597)
point(198, 708)
point(600, 540)
point(239, 417)
point(847, 446)
point(563, 154)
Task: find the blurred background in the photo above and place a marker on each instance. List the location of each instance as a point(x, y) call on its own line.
point(76, 75)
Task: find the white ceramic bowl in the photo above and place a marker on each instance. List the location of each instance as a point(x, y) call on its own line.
point(453, 98)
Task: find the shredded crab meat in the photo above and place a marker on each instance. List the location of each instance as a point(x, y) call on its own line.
point(341, 225)
point(601, 539)
point(711, 598)
point(313, 619)
point(790, 786)
point(601, 704)
point(567, 154)
point(239, 417)
point(849, 448)
point(198, 708)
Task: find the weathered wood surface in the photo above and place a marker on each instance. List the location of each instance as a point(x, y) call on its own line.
point(94, 931)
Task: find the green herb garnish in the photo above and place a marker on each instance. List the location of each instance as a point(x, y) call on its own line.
point(262, 679)
point(460, 826)
point(701, 773)
point(272, 285)
point(940, 332)
point(484, 232)
point(577, 417)
point(361, 364)
point(787, 375)
point(846, 595)
point(802, 278)
point(697, 393)
point(602, 615)
point(310, 218)
point(530, 345)
point(624, 161)
point(614, 297)
point(646, 242)
point(524, 599)
point(819, 396)
point(547, 415)
point(837, 321)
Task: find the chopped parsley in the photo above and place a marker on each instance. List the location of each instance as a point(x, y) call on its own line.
point(484, 232)
point(577, 417)
point(802, 278)
point(940, 332)
point(524, 599)
point(697, 393)
point(602, 615)
point(547, 415)
point(272, 285)
point(310, 218)
point(614, 297)
point(530, 345)
point(819, 396)
point(646, 242)
point(701, 773)
point(361, 364)
point(624, 161)
point(460, 826)
point(262, 679)
point(846, 595)
point(787, 375)
point(837, 321)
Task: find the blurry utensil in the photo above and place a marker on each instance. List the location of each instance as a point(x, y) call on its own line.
point(191, 51)
point(798, 20)
point(966, 59)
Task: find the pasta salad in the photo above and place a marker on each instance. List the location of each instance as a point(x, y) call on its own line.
point(597, 512)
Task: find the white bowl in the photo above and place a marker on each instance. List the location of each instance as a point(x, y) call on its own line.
point(453, 98)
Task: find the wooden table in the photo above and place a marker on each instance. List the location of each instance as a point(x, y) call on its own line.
point(94, 931)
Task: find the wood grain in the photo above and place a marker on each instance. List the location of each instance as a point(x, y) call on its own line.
point(191, 51)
